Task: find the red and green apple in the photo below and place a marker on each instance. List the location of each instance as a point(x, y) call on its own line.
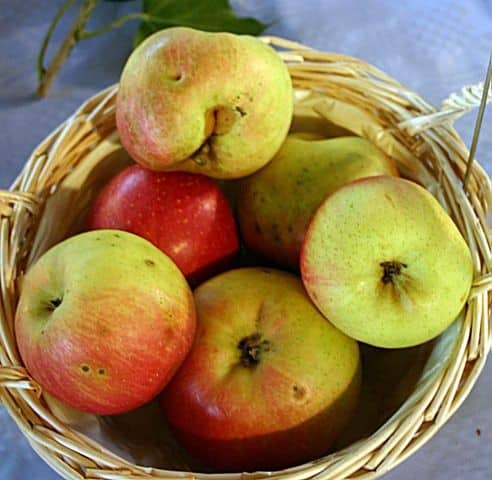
point(104, 320)
point(269, 382)
point(213, 103)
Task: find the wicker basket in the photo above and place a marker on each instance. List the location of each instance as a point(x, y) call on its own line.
point(48, 199)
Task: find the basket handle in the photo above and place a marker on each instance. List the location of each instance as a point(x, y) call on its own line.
point(455, 106)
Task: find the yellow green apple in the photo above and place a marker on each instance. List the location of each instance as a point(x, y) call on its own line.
point(276, 203)
point(385, 263)
point(269, 382)
point(213, 103)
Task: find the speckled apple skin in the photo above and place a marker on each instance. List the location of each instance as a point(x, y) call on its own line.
point(286, 409)
point(124, 321)
point(186, 215)
point(381, 219)
point(276, 203)
point(177, 77)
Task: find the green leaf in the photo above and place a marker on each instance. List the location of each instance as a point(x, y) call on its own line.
point(209, 15)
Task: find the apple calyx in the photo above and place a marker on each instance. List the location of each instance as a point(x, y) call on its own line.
point(54, 304)
point(251, 348)
point(391, 270)
point(218, 121)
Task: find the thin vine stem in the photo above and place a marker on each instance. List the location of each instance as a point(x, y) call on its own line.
point(46, 75)
point(66, 46)
point(42, 51)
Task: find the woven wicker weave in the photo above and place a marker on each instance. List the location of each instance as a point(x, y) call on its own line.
point(47, 199)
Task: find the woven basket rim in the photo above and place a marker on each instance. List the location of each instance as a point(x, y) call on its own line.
point(351, 81)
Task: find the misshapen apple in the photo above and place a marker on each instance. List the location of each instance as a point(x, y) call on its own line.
point(104, 320)
point(213, 103)
point(385, 263)
point(184, 214)
point(276, 203)
point(269, 383)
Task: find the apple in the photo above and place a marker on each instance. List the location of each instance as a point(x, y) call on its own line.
point(385, 263)
point(276, 203)
point(186, 215)
point(269, 383)
point(213, 103)
point(104, 320)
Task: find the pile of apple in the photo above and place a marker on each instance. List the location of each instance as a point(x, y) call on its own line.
point(257, 368)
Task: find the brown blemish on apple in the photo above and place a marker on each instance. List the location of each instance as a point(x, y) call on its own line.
point(240, 110)
point(101, 371)
point(149, 262)
point(85, 368)
point(299, 392)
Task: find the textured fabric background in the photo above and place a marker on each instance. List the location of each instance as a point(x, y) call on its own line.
point(434, 47)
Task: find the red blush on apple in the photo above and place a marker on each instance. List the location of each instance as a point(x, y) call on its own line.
point(186, 215)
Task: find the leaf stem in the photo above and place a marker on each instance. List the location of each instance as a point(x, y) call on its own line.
point(48, 75)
